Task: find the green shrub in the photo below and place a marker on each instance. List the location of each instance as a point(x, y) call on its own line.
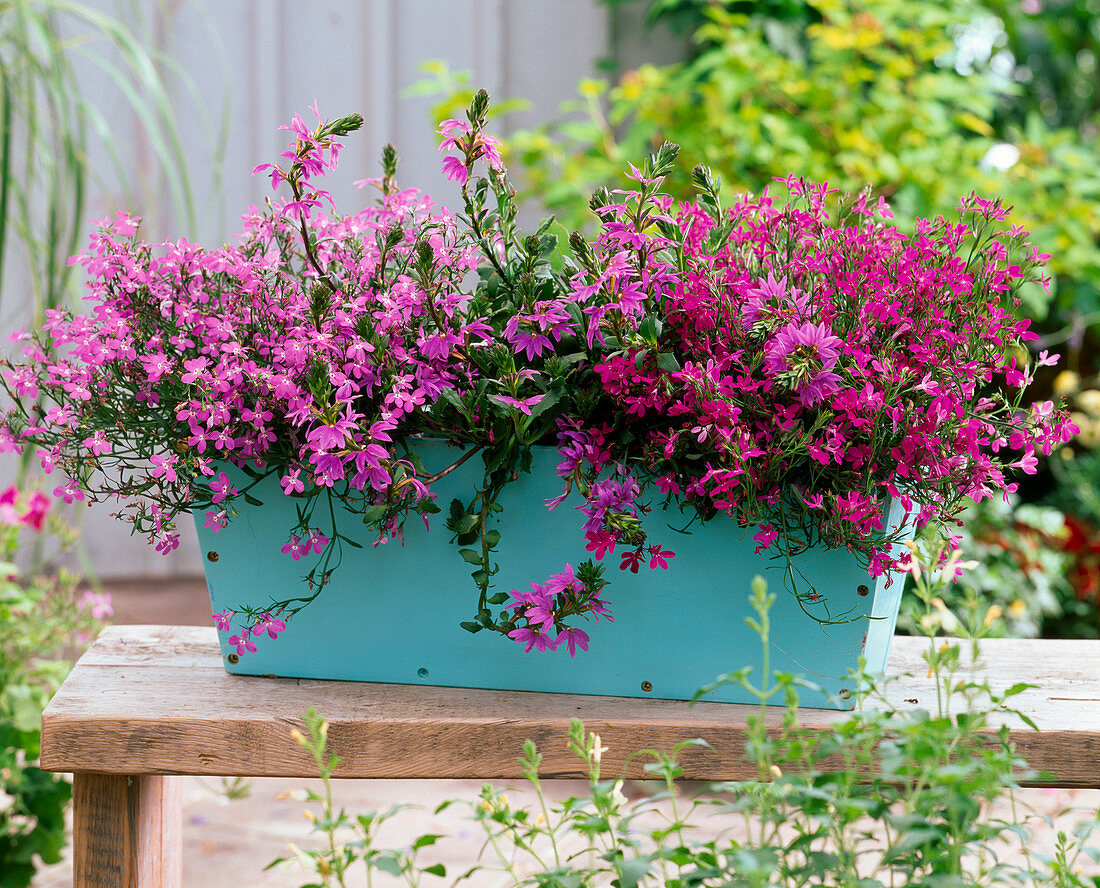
point(42, 624)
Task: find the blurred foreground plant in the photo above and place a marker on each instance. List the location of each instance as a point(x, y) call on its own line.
point(885, 797)
point(43, 622)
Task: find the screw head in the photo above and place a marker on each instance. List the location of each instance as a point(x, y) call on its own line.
point(212, 556)
point(233, 659)
point(647, 686)
point(861, 589)
point(421, 672)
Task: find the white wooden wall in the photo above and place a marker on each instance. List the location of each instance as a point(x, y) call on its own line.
point(272, 58)
point(260, 61)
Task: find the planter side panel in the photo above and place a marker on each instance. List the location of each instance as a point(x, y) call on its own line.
point(391, 612)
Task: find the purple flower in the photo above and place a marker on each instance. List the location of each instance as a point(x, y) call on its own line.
point(773, 298)
point(803, 356)
point(574, 638)
point(532, 637)
point(523, 406)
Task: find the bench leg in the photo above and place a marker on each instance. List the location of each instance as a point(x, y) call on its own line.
point(127, 831)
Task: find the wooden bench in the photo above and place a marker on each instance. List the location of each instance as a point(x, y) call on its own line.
point(148, 703)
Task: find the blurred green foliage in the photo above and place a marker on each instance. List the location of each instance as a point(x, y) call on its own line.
point(1024, 580)
point(916, 97)
point(43, 625)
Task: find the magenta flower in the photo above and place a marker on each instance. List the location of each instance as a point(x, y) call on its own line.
point(163, 467)
point(600, 542)
point(524, 405)
point(166, 541)
point(574, 638)
point(803, 355)
point(765, 537)
point(659, 557)
point(532, 637)
point(291, 483)
point(295, 548)
point(242, 642)
point(37, 506)
point(220, 488)
point(98, 604)
point(70, 491)
point(631, 560)
point(266, 623)
point(455, 170)
point(221, 620)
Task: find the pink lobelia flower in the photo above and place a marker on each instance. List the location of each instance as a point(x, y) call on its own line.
point(98, 603)
point(269, 624)
point(295, 547)
point(765, 537)
point(37, 506)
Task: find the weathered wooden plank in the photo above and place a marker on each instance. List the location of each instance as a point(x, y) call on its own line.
point(155, 700)
point(178, 647)
point(127, 831)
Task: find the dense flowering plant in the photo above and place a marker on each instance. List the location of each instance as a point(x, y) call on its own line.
point(786, 366)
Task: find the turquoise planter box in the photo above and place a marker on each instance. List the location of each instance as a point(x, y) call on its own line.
point(391, 613)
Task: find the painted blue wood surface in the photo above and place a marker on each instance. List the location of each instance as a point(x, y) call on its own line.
point(391, 613)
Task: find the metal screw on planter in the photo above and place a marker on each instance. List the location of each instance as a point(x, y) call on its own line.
point(211, 556)
point(422, 672)
point(233, 659)
point(647, 686)
point(862, 590)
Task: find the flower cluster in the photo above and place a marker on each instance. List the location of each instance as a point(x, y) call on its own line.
point(767, 363)
point(27, 509)
point(797, 371)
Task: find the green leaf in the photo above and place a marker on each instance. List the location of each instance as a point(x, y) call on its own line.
point(465, 524)
point(470, 556)
point(25, 706)
point(667, 362)
point(428, 507)
point(387, 862)
point(425, 840)
point(373, 513)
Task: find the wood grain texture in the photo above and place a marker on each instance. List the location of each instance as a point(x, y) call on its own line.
point(127, 831)
point(155, 700)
